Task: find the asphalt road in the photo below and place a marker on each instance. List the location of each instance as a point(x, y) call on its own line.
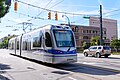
point(111, 63)
point(16, 68)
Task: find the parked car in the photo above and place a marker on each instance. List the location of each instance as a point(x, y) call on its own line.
point(98, 51)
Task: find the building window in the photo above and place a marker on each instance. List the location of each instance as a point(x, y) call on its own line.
point(80, 37)
point(93, 31)
point(104, 32)
point(85, 37)
point(89, 31)
point(104, 37)
point(96, 32)
point(83, 31)
point(76, 29)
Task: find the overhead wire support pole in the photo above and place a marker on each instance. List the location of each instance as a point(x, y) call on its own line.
point(101, 30)
point(28, 24)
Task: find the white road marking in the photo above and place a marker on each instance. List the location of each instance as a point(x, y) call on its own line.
point(72, 78)
point(88, 63)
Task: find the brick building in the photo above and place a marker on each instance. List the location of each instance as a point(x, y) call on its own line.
point(85, 33)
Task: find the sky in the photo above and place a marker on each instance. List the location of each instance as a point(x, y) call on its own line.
point(36, 12)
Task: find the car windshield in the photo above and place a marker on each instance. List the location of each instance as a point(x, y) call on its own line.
point(106, 48)
point(64, 38)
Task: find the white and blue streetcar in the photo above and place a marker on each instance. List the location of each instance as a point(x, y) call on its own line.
point(51, 44)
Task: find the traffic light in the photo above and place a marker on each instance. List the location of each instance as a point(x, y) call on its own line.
point(49, 15)
point(56, 16)
point(15, 6)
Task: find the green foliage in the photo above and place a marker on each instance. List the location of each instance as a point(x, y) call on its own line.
point(115, 43)
point(1, 45)
point(116, 53)
point(85, 45)
point(4, 44)
point(3, 8)
point(95, 41)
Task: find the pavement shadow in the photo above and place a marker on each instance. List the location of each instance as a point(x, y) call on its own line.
point(80, 68)
point(3, 67)
point(3, 78)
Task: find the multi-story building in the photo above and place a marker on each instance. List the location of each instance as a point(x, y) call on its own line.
point(109, 24)
point(85, 33)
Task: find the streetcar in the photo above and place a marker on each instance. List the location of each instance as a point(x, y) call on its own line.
point(50, 44)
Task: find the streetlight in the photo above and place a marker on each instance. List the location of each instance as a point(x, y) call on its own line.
point(67, 18)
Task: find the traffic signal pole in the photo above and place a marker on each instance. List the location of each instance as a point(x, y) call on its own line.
point(67, 18)
point(101, 30)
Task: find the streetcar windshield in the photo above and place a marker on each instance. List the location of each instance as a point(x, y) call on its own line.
point(64, 38)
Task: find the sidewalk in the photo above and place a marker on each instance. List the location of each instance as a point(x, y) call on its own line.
point(117, 56)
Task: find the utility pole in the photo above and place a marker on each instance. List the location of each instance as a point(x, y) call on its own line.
point(101, 30)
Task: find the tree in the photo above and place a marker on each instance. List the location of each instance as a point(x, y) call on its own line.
point(85, 45)
point(95, 41)
point(4, 43)
point(4, 7)
point(115, 43)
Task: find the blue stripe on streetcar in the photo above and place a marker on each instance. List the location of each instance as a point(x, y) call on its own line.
point(53, 51)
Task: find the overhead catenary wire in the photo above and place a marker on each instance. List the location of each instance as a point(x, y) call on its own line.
point(112, 11)
point(34, 17)
point(45, 7)
point(42, 10)
point(53, 10)
point(56, 4)
point(112, 15)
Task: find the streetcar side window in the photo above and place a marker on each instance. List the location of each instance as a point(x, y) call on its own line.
point(24, 45)
point(48, 41)
point(18, 44)
point(37, 41)
point(12, 45)
point(28, 45)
